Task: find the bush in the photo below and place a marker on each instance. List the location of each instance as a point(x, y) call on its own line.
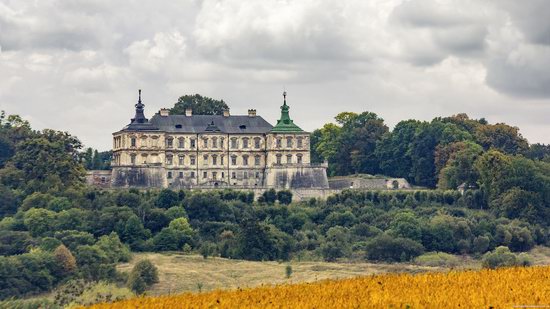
point(143, 275)
point(437, 259)
point(503, 257)
point(387, 248)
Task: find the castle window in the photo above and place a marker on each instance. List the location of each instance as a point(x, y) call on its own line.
point(180, 159)
point(133, 159)
point(205, 143)
point(133, 142)
point(221, 160)
point(205, 159)
point(170, 142)
point(257, 143)
point(223, 175)
point(233, 175)
point(214, 175)
point(279, 159)
point(245, 160)
point(288, 158)
point(245, 142)
point(234, 160)
point(221, 142)
point(204, 174)
point(192, 174)
point(181, 174)
point(214, 160)
point(169, 175)
point(214, 142)
point(193, 160)
point(299, 157)
point(169, 159)
point(300, 142)
point(245, 175)
point(181, 142)
point(289, 142)
point(257, 175)
point(279, 142)
point(257, 160)
point(234, 143)
point(193, 143)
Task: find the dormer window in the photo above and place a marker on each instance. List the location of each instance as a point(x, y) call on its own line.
point(178, 126)
point(242, 127)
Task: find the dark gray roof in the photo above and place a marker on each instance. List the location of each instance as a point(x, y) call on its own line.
point(200, 123)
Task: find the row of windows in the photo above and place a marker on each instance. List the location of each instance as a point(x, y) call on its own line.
point(279, 159)
point(214, 175)
point(214, 142)
point(215, 159)
point(207, 160)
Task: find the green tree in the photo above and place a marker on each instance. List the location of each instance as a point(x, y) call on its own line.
point(39, 222)
point(502, 137)
point(200, 105)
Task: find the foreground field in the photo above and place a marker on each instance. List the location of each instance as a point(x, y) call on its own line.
point(503, 288)
point(191, 273)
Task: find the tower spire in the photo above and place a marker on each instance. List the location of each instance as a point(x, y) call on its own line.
point(140, 107)
point(285, 124)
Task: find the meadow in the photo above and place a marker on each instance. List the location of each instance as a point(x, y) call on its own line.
point(501, 288)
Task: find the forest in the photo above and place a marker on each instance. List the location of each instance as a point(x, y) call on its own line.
point(53, 228)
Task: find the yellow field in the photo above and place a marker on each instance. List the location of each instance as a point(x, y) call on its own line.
point(503, 288)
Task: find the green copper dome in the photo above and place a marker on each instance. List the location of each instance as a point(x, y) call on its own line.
point(285, 124)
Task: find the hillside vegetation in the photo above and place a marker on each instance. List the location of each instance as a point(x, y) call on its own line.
point(55, 231)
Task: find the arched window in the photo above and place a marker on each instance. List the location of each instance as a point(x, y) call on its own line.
point(169, 142)
point(279, 142)
point(133, 158)
point(245, 143)
point(234, 143)
point(169, 159)
point(214, 160)
point(205, 143)
point(233, 160)
point(300, 142)
point(257, 143)
point(181, 142)
point(289, 142)
point(289, 158)
point(192, 160)
point(180, 159)
point(299, 158)
point(279, 156)
point(257, 160)
point(205, 159)
point(133, 141)
point(245, 160)
point(214, 142)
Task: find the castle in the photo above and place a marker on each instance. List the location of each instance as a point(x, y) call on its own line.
point(214, 151)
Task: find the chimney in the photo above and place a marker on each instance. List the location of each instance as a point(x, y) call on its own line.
point(189, 111)
point(251, 113)
point(226, 112)
point(164, 112)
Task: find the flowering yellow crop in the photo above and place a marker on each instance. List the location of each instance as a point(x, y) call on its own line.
point(502, 288)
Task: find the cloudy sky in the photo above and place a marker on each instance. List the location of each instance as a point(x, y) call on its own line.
point(76, 65)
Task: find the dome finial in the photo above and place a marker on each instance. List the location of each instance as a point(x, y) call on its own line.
point(284, 96)
point(139, 94)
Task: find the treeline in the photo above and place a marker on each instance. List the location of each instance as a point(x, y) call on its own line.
point(440, 153)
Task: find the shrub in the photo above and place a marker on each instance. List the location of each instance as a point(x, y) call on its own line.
point(500, 257)
point(143, 275)
point(387, 248)
point(437, 259)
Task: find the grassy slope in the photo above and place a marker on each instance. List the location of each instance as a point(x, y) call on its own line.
point(180, 273)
